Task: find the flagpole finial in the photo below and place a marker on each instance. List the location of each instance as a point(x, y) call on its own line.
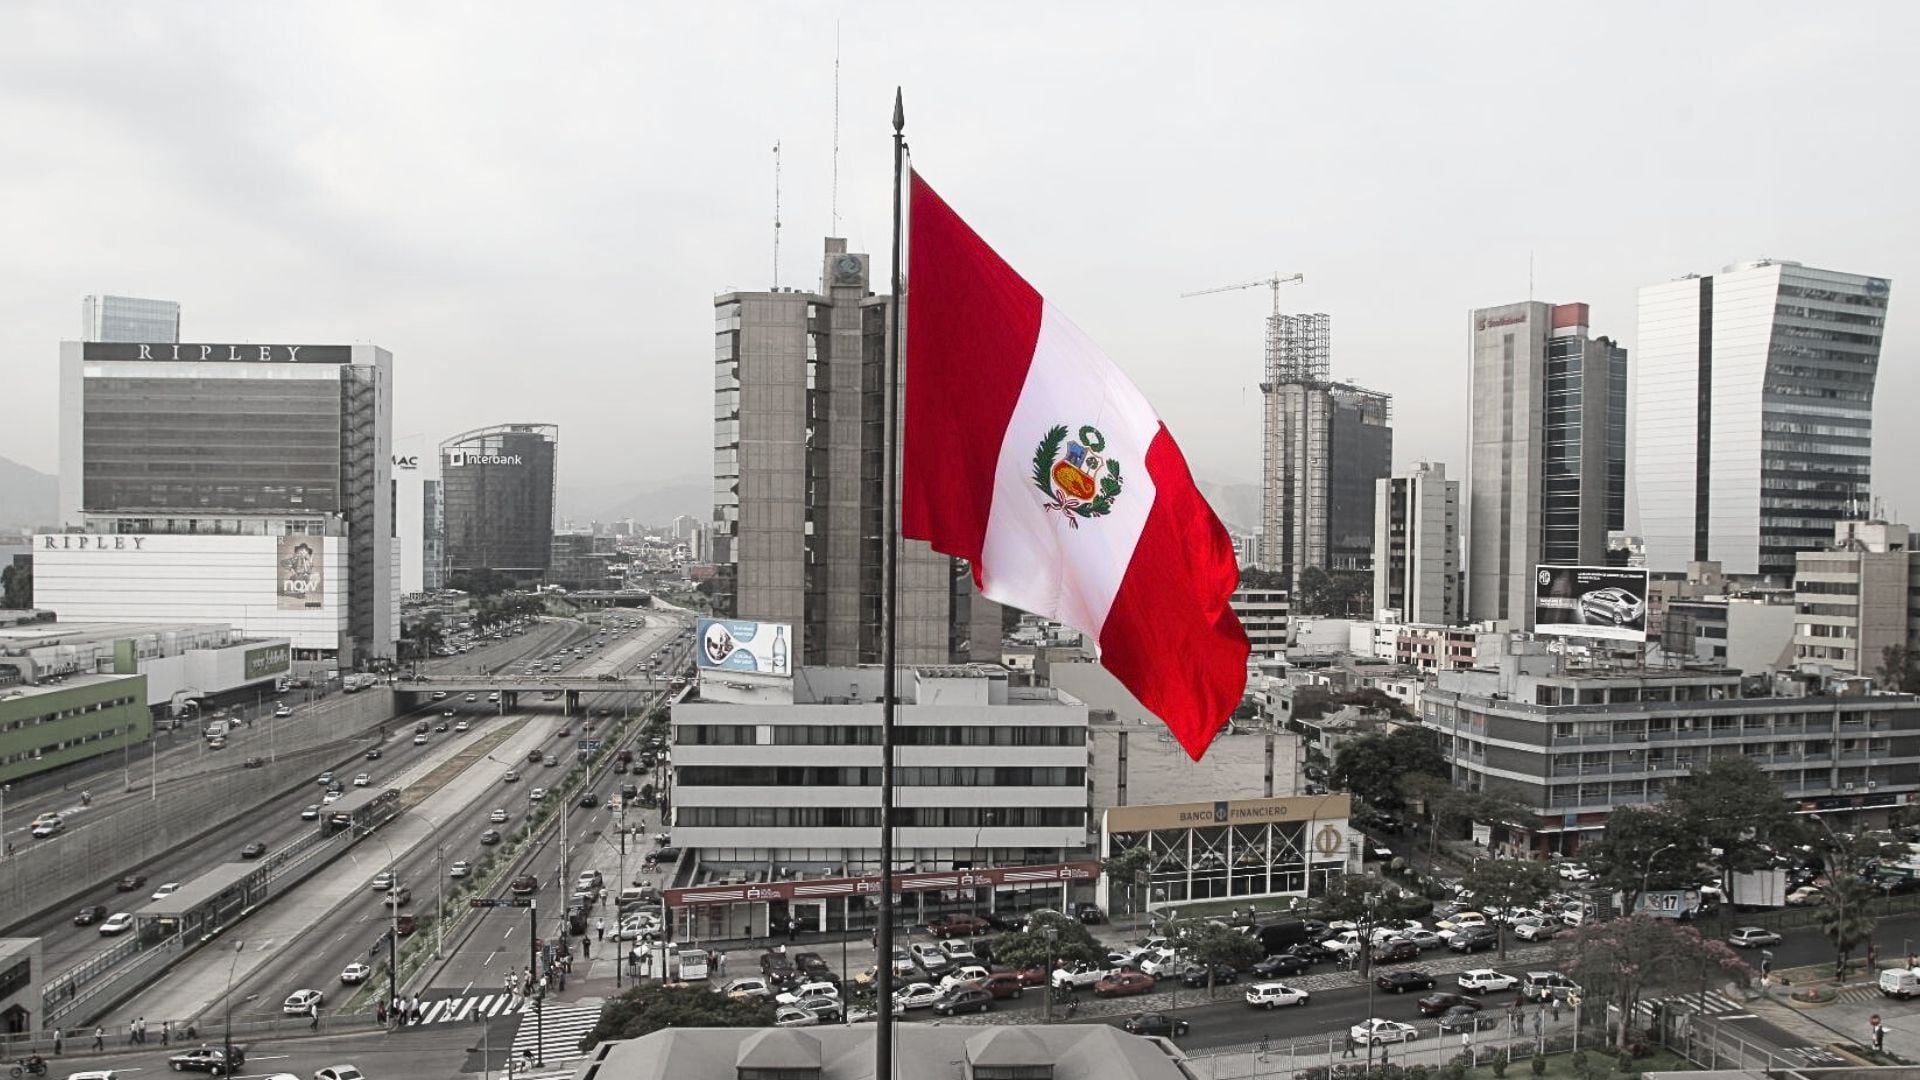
point(899, 112)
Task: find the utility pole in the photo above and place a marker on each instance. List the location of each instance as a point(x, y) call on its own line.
point(533, 954)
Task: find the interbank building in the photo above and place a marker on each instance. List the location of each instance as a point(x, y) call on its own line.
point(242, 484)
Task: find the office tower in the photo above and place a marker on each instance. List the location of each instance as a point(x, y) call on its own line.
point(1857, 598)
point(497, 494)
point(1325, 445)
point(129, 319)
point(1546, 477)
point(433, 535)
point(1754, 413)
point(244, 484)
point(799, 452)
point(1416, 546)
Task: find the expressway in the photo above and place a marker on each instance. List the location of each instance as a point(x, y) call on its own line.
point(305, 938)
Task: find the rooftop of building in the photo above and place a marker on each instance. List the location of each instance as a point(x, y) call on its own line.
point(62, 685)
point(40, 635)
point(922, 1051)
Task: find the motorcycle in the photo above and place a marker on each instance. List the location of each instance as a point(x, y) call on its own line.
point(33, 1066)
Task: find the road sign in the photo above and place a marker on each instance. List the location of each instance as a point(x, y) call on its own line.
point(589, 744)
point(500, 901)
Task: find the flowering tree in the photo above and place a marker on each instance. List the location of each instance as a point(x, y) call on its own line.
point(1621, 961)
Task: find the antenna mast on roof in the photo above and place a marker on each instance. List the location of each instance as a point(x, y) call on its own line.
point(776, 215)
point(833, 211)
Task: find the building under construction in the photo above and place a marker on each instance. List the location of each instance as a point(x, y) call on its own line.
point(1325, 443)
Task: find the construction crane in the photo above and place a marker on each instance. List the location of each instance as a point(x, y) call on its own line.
point(1278, 279)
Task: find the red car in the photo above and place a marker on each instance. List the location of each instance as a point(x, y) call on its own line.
point(1003, 984)
point(958, 925)
point(1122, 983)
point(1031, 976)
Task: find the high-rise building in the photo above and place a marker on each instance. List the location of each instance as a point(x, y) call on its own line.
point(129, 319)
point(1856, 599)
point(799, 500)
point(1546, 478)
point(1754, 413)
point(497, 496)
point(433, 535)
point(1325, 445)
point(244, 484)
point(1416, 546)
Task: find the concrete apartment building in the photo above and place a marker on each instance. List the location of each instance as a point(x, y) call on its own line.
point(1753, 415)
point(1546, 477)
point(1856, 599)
point(776, 796)
point(799, 501)
point(1325, 444)
point(1263, 614)
point(1574, 744)
point(1416, 545)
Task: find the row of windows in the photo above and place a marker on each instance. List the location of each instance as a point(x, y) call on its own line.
point(869, 735)
point(66, 714)
point(868, 817)
point(857, 776)
point(39, 752)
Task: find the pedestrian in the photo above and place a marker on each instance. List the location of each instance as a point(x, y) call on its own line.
point(1350, 1045)
point(133, 1032)
point(600, 928)
point(166, 1032)
point(313, 1011)
point(720, 962)
point(57, 1040)
point(380, 1015)
point(1466, 1041)
point(1556, 1010)
point(1879, 1031)
point(586, 949)
point(793, 927)
point(1873, 957)
point(1539, 1018)
point(140, 1025)
point(99, 1038)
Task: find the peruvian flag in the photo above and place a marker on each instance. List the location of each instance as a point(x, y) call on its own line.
point(1028, 453)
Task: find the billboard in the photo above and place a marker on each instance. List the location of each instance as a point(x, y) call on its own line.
point(1591, 601)
point(268, 660)
point(735, 645)
point(300, 580)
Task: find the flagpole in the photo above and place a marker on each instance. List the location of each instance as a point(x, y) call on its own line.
point(883, 940)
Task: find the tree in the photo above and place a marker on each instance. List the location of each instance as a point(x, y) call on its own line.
point(649, 1008)
point(1335, 593)
point(1620, 961)
point(1735, 806)
point(1373, 766)
point(1211, 944)
point(1645, 847)
point(1124, 868)
point(1899, 669)
point(1451, 808)
point(1252, 578)
point(1369, 903)
point(1070, 942)
point(1844, 917)
point(1504, 884)
point(16, 585)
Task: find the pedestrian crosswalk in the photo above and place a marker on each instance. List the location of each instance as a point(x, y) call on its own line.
point(1715, 1003)
point(1858, 993)
point(471, 1008)
point(553, 1034)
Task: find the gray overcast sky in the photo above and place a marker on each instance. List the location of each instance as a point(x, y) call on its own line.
point(532, 205)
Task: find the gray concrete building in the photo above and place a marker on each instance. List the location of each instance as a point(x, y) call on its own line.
point(1416, 546)
point(1263, 615)
point(1857, 599)
point(1753, 416)
point(1573, 744)
point(799, 500)
point(1546, 476)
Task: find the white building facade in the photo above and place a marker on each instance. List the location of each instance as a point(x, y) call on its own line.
point(1416, 545)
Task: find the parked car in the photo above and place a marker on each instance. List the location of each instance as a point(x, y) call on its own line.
point(1003, 984)
point(788, 1016)
point(963, 999)
point(1195, 975)
point(1156, 1023)
point(747, 988)
point(1393, 952)
point(1123, 983)
point(1089, 913)
point(1274, 995)
point(1399, 982)
point(1280, 964)
point(916, 996)
point(1535, 930)
point(1471, 939)
point(959, 924)
point(1079, 976)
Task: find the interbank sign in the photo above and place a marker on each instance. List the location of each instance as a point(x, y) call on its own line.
point(225, 354)
point(268, 660)
point(459, 458)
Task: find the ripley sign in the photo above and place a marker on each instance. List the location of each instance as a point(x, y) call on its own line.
point(88, 542)
point(235, 354)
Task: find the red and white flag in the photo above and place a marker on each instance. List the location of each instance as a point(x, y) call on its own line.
point(1029, 453)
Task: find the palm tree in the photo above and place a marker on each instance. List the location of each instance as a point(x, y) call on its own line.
point(1844, 918)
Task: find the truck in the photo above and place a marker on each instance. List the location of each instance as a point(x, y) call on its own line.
point(217, 729)
point(357, 682)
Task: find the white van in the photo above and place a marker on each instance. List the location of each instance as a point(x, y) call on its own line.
point(1901, 983)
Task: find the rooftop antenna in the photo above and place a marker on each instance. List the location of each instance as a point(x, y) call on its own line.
point(776, 215)
point(1529, 277)
point(834, 196)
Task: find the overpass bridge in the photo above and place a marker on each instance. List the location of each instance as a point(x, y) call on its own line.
point(569, 690)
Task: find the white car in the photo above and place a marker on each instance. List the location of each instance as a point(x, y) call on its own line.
point(1533, 930)
point(460, 868)
point(498, 817)
point(166, 890)
point(746, 988)
point(916, 996)
point(928, 955)
point(963, 975)
point(1160, 962)
point(958, 950)
point(538, 794)
point(460, 727)
point(1573, 872)
point(1369, 1032)
point(789, 1016)
point(383, 881)
point(331, 797)
point(1486, 981)
point(1079, 976)
point(1274, 995)
point(339, 1072)
point(1752, 937)
point(283, 711)
point(117, 924)
point(355, 973)
point(363, 780)
point(809, 990)
point(300, 1001)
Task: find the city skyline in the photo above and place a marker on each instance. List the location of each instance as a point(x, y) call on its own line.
point(335, 217)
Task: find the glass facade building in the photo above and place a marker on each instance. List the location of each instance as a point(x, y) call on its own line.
point(497, 499)
point(129, 318)
point(1547, 450)
point(1754, 413)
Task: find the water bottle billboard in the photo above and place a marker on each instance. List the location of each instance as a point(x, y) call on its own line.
point(739, 645)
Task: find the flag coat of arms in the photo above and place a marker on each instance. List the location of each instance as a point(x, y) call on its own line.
point(1027, 452)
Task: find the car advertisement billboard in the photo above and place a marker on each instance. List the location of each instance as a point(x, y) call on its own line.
point(299, 573)
point(736, 645)
point(1591, 601)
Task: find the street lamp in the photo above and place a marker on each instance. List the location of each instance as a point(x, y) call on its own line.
point(226, 1038)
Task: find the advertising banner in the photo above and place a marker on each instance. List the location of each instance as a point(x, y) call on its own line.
point(268, 660)
point(1591, 601)
point(735, 645)
point(301, 581)
point(1670, 905)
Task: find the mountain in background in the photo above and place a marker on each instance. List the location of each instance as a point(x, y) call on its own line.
point(1238, 505)
point(647, 504)
point(29, 499)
